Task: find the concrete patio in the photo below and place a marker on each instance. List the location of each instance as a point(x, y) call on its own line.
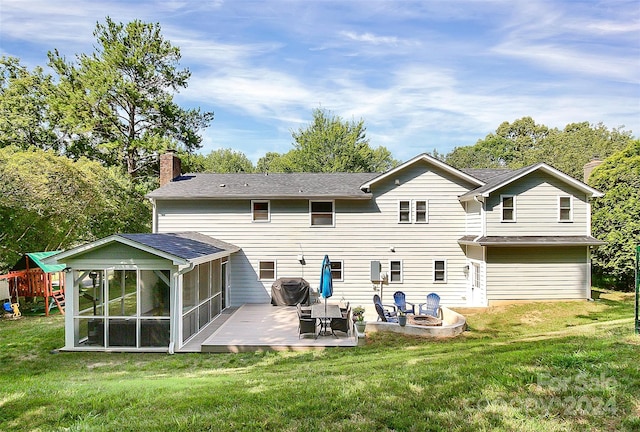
point(261, 327)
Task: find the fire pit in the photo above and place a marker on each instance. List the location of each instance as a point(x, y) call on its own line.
point(424, 320)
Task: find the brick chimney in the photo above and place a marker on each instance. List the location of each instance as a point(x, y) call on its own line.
point(590, 166)
point(170, 167)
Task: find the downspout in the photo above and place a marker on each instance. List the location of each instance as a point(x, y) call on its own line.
point(154, 216)
point(174, 301)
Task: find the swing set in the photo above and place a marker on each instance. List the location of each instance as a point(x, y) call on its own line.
point(30, 277)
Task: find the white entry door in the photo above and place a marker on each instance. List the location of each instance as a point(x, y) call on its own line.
point(478, 295)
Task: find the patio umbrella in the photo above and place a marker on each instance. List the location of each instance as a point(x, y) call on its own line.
point(326, 283)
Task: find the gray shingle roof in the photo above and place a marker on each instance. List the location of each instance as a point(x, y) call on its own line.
point(187, 245)
point(498, 178)
point(485, 174)
point(266, 186)
point(532, 240)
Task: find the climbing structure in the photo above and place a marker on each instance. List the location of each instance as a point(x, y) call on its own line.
point(30, 277)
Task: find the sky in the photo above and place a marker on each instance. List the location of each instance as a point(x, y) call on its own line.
point(423, 75)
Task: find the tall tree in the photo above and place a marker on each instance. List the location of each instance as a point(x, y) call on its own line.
point(569, 149)
point(524, 142)
point(616, 216)
point(274, 162)
point(50, 202)
point(25, 118)
point(118, 102)
point(508, 147)
point(227, 161)
point(330, 144)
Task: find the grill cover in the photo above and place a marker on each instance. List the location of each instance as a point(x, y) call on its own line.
point(289, 292)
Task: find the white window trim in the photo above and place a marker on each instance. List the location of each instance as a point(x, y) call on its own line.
point(275, 269)
point(253, 219)
point(502, 197)
point(445, 271)
point(570, 209)
point(415, 211)
point(400, 221)
point(401, 272)
point(333, 214)
point(341, 270)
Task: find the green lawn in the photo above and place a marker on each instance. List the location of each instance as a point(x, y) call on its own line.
point(529, 367)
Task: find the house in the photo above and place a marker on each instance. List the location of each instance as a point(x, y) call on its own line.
point(473, 236)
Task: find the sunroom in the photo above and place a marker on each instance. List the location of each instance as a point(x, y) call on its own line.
point(143, 292)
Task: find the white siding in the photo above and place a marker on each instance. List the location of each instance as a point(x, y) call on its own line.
point(537, 273)
point(537, 208)
point(364, 231)
point(473, 218)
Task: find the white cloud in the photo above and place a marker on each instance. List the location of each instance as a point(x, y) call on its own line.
point(371, 38)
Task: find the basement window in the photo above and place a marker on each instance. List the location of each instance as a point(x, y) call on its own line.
point(267, 270)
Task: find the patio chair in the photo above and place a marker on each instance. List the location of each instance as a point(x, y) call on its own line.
point(402, 304)
point(342, 324)
point(306, 324)
point(431, 307)
point(389, 310)
point(306, 312)
point(382, 316)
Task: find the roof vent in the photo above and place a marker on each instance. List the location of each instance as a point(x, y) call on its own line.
point(246, 184)
point(222, 185)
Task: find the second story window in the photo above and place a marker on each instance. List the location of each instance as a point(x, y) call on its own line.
point(508, 208)
point(321, 213)
point(422, 211)
point(260, 211)
point(404, 211)
point(565, 213)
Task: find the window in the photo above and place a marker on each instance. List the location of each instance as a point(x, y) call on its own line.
point(422, 212)
point(565, 211)
point(404, 211)
point(508, 208)
point(260, 211)
point(336, 270)
point(395, 271)
point(321, 213)
point(440, 271)
point(267, 270)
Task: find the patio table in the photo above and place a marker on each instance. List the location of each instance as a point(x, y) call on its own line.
point(318, 311)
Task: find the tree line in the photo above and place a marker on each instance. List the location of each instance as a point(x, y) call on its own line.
point(79, 149)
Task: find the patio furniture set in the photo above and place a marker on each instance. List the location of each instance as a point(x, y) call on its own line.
point(321, 319)
point(429, 313)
